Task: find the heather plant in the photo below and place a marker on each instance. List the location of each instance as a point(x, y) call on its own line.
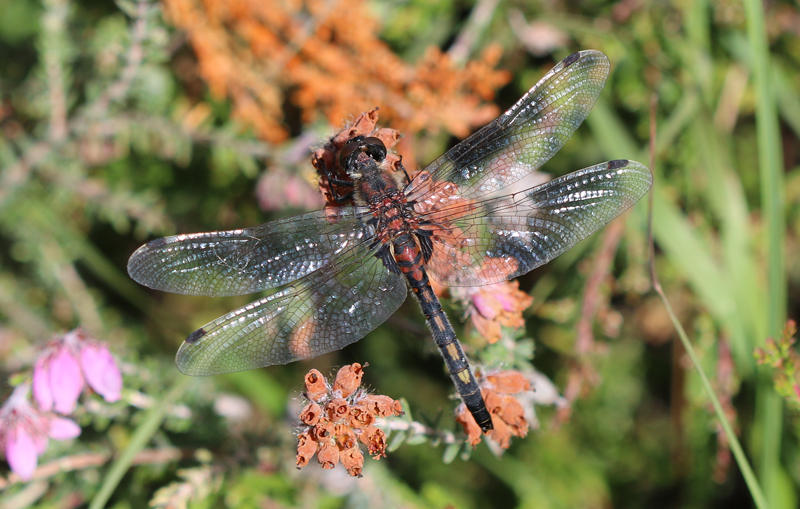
point(66, 367)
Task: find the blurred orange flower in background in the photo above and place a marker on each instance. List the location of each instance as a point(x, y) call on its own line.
point(508, 414)
point(326, 58)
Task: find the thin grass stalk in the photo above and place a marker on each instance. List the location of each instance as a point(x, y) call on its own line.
point(770, 155)
point(144, 432)
point(738, 453)
point(736, 448)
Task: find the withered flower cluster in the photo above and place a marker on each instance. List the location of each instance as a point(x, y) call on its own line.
point(339, 416)
point(328, 58)
point(508, 415)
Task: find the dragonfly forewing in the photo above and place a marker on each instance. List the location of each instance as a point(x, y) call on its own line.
point(502, 238)
point(319, 313)
point(239, 262)
point(523, 138)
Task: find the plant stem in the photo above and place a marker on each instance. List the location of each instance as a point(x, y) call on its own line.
point(736, 448)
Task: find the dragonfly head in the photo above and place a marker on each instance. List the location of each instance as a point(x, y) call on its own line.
point(358, 150)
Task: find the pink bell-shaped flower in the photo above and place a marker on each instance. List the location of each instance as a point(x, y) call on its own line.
point(21, 453)
point(57, 379)
point(62, 428)
point(24, 432)
point(101, 371)
point(68, 361)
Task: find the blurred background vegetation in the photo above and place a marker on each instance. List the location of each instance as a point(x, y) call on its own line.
point(123, 122)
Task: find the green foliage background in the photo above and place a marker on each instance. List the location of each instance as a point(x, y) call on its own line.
point(75, 203)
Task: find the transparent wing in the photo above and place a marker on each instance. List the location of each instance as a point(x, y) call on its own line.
point(321, 312)
point(487, 242)
point(523, 138)
point(249, 260)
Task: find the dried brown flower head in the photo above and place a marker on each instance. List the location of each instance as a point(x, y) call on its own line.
point(340, 415)
point(508, 414)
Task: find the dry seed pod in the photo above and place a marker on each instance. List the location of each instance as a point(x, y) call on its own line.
point(306, 447)
point(328, 455)
point(508, 382)
point(311, 414)
point(348, 379)
point(316, 388)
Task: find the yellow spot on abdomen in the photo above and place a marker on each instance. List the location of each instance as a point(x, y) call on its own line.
point(452, 351)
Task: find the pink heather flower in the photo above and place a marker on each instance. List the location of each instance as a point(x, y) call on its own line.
point(492, 307)
point(22, 454)
point(59, 373)
point(101, 371)
point(24, 432)
point(62, 428)
point(482, 306)
point(57, 379)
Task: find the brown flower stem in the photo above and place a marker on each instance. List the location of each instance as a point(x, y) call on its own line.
point(119, 88)
point(478, 20)
point(591, 295)
point(581, 371)
point(54, 23)
point(91, 460)
point(417, 428)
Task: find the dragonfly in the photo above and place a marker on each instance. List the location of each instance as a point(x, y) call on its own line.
point(461, 221)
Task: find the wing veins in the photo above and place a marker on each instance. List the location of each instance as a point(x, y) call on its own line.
point(249, 260)
point(529, 227)
point(307, 318)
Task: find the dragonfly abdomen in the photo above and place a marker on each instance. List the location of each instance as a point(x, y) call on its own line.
point(409, 258)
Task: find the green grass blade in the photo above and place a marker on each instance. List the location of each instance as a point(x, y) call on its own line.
point(144, 432)
point(769, 406)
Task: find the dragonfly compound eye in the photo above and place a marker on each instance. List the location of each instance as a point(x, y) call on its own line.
point(371, 146)
point(374, 148)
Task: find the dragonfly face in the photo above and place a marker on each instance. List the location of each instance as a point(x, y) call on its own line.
point(344, 270)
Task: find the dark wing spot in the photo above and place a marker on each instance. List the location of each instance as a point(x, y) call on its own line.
point(157, 243)
point(571, 59)
point(194, 336)
point(617, 163)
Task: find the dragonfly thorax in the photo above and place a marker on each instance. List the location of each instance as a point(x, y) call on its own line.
point(393, 214)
